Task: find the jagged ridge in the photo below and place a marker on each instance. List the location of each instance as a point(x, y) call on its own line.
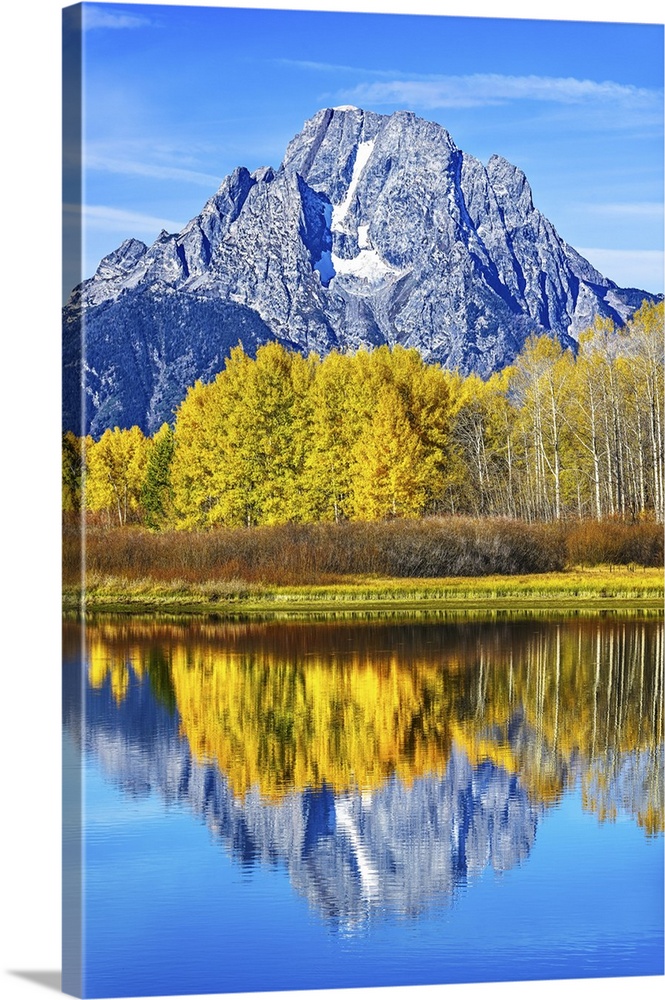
point(375, 229)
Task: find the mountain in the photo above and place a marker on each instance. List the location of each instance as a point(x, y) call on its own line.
point(375, 229)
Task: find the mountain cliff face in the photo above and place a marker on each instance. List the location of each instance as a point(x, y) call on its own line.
point(375, 229)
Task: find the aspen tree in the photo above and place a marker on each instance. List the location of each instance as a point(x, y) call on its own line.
point(116, 466)
point(391, 465)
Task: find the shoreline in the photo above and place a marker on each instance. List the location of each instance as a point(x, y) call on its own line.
point(596, 589)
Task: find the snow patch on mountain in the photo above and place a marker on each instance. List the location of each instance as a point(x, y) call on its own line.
point(363, 153)
point(367, 266)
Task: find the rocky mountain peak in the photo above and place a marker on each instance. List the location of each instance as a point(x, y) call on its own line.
point(374, 229)
point(511, 188)
point(122, 261)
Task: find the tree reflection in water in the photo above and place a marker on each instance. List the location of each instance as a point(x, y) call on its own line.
point(383, 764)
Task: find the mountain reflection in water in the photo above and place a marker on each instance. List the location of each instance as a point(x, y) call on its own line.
point(383, 765)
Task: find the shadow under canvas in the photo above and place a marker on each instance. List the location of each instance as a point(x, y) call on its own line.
point(50, 978)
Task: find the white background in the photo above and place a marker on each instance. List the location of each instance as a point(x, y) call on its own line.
point(29, 490)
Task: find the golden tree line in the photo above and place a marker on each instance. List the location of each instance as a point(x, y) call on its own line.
point(380, 434)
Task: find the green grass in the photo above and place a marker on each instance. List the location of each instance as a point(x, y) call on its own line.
point(597, 587)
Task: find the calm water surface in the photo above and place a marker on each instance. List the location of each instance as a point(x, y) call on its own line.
point(290, 805)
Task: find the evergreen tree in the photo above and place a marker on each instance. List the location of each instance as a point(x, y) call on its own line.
point(157, 490)
point(73, 470)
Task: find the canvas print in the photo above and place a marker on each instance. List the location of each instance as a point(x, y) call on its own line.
point(362, 500)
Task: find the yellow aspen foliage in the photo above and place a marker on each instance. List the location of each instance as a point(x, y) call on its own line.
point(239, 442)
point(116, 466)
point(392, 469)
point(334, 426)
point(399, 457)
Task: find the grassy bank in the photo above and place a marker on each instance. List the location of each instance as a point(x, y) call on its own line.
point(598, 587)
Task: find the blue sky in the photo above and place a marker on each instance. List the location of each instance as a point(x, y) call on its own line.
point(176, 97)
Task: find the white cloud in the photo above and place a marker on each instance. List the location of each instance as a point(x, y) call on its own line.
point(138, 168)
point(629, 268)
point(98, 17)
point(324, 67)
point(483, 89)
point(639, 210)
point(108, 219)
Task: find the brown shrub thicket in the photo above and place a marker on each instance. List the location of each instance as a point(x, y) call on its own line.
point(589, 543)
point(323, 552)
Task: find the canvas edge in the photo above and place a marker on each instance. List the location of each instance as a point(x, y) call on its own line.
point(72, 667)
